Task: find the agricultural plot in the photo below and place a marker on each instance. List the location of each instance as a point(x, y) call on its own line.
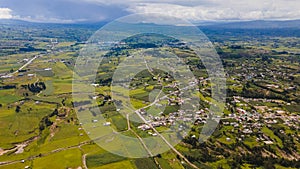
point(40, 127)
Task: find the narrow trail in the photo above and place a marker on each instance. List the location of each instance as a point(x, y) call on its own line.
point(128, 122)
point(84, 161)
point(18, 149)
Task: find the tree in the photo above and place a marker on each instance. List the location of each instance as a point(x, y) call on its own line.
point(220, 167)
point(54, 113)
point(18, 109)
point(269, 164)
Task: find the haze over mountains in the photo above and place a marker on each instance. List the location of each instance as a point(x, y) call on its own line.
point(257, 24)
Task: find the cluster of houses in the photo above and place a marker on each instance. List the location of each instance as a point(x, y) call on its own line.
point(179, 117)
point(246, 122)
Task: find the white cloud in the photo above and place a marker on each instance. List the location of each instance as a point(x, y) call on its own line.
point(5, 13)
point(134, 2)
point(192, 10)
point(43, 19)
point(197, 10)
point(231, 10)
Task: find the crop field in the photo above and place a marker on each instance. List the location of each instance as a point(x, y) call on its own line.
point(66, 159)
point(44, 125)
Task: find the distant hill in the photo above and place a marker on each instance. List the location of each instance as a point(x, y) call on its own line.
point(13, 22)
point(214, 30)
point(38, 24)
point(260, 24)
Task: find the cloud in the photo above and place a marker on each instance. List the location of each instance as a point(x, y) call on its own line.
point(5, 13)
point(136, 2)
point(231, 10)
point(197, 10)
point(62, 11)
point(43, 19)
point(192, 10)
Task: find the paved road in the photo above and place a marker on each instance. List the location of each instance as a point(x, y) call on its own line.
point(162, 137)
point(166, 141)
point(25, 65)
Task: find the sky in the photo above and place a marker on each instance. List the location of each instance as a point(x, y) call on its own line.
point(72, 11)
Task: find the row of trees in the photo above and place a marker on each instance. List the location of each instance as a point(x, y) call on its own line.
point(46, 122)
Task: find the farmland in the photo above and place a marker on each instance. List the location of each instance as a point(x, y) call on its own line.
point(39, 116)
